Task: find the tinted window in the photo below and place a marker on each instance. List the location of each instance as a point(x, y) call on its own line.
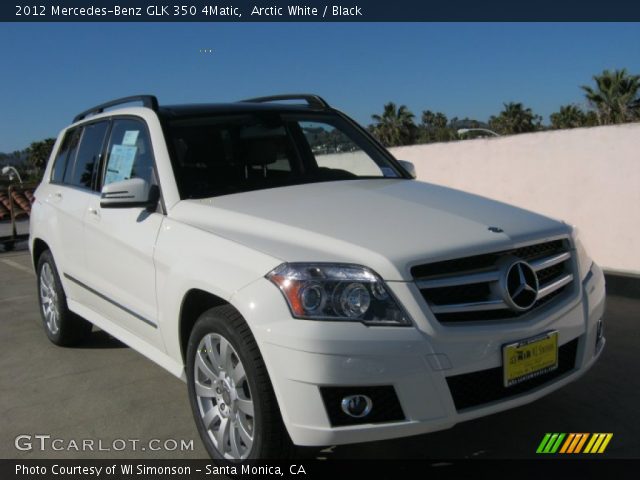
point(88, 156)
point(227, 154)
point(220, 155)
point(65, 152)
point(129, 154)
point(333, 149)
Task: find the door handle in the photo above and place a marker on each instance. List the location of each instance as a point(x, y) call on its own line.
point(56, 196)
point(94, 212)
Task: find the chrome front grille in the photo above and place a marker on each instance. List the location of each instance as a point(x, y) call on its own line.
point(472, 288)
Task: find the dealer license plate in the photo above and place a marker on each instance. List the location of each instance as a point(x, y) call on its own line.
point(529, 358)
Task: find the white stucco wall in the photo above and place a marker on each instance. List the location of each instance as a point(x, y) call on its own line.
point(589, 177)
point(355, 162)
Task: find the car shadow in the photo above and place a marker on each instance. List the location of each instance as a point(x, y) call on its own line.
point(101, 339)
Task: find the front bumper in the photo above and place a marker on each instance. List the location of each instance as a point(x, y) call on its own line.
point(302, 356)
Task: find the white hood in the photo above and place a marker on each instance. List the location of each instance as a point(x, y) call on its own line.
point(388, 225)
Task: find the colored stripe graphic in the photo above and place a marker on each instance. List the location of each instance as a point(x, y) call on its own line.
point(591, 442)
point(581, 443)
point(543, 443)
point(599, 442)
point(555, 447)
point(573, 443)
point(606, 441)
point(596, 445)
point(567, 442)
point(550, 443)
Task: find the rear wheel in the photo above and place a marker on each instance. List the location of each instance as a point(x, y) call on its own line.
point(62, 326)
point(233, 403)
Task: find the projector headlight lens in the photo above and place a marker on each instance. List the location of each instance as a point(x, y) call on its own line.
point(322, 291)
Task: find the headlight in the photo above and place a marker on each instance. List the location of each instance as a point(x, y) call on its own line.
point(322, 291)
point(584, 261)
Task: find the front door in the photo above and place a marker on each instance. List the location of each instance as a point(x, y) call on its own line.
point(120, 241)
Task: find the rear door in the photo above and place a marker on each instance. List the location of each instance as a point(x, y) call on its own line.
point(120, 241)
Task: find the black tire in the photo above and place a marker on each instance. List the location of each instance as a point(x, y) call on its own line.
point(271, 440)
point(71, 329)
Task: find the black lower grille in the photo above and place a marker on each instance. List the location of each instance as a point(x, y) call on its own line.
point(386, 406)
point(477, 388)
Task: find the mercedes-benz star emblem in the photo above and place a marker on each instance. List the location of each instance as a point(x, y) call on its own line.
point(519, 285)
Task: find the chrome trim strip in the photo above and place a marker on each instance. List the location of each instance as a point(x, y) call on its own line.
point(112, 302)
point(547, 262)
point(555, 285)
point(451, 281)
point(491, 250)
point(469, 307)
point(489, 277)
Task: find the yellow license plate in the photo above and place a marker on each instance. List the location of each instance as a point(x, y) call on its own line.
point(529, 358)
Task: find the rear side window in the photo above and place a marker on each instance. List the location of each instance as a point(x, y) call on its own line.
point(80, 173)
point(66, 151)
point(129, 154)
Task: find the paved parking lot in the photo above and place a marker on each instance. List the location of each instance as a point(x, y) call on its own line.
point(104, 390)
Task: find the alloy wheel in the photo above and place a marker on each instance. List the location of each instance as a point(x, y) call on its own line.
point(49, 299)
point(224, 397)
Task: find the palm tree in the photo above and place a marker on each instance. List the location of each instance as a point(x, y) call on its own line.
point(395, 126)
point(615, 97)
point(569, 116)
point(434, 119)
point(515, 118)
point(435, 128)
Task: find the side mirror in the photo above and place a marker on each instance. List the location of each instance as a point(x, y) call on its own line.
point(409, 167)
point(132, 193)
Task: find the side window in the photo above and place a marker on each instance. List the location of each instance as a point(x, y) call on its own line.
point(80, 173)
point(129, 152)
point(333, 149)
point(65, 154)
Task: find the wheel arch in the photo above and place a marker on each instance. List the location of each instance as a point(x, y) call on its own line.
point(194, 303)
point(38, 248)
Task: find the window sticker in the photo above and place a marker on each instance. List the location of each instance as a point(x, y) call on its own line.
point(130, 137)
point(120, 163)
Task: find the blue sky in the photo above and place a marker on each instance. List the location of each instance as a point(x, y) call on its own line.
point(50, 72)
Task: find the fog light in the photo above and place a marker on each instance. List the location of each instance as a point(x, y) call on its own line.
point(356, 406)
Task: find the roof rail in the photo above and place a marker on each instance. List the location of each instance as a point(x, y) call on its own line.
point(148, 101)
point(312, 100)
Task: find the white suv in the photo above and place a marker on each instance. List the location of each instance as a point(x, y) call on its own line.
point(276, 257)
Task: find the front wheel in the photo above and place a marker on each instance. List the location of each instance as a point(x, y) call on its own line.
point(233, 403)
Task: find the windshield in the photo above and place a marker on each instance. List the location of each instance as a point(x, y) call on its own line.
point(220, 155)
